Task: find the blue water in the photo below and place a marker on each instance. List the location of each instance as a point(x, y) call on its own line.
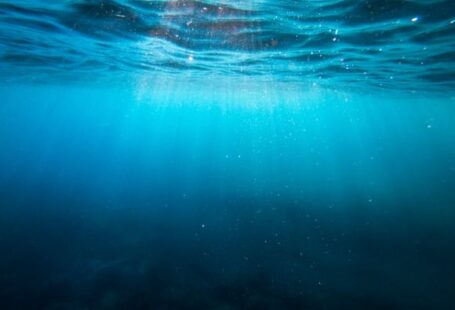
point(227, 154)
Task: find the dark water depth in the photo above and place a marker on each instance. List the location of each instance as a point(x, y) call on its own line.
point(126, 201)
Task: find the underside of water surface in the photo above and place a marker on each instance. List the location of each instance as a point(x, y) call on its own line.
point(245, 154)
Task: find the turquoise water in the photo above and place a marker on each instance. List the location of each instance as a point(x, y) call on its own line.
point(227, 154)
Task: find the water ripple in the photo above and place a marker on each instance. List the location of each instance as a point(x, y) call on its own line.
point(385, 43)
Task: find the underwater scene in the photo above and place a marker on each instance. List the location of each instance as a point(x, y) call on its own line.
point(227, 154)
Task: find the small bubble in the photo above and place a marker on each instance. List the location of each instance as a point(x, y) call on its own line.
point(415, 19)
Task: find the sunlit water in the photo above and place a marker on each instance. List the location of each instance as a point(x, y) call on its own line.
point(227, 155)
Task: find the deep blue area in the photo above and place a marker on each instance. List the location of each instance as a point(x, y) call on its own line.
point(110, 200)
point(227, 155)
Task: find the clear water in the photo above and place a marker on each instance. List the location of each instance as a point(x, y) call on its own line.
point(227, 154)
